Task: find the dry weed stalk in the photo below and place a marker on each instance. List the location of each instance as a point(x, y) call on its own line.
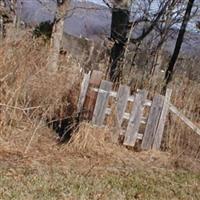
point(28, 94)
point(90, 138)
point(27, 91)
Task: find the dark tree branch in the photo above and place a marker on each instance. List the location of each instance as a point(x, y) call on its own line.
point(179, 41)
point(153, 24)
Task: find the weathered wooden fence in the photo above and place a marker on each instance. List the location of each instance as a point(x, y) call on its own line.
point(95, 97)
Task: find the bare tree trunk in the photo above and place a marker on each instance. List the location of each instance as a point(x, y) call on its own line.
point(12, 7)
point(179, 41)
point(18, 12)
point(2, 26)
point(119, 31)
point(57, 35)
point(55, 45)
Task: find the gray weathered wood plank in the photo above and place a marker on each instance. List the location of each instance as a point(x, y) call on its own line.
point(135, 119)
point(160, 129)
point(83, 92)
point(152, 122)
point(101, 103)
point(122, 100)
point(118, 111)
point(91, 96)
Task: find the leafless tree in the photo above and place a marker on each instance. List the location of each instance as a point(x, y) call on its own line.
point(148, 21)
point(57, 34)
point(150, 25)
point(179, 41)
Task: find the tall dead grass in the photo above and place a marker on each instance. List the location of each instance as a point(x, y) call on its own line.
point(29, 95)
point(186, 97)
point(92, 139)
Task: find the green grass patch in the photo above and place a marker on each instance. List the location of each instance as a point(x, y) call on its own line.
point(26, 183)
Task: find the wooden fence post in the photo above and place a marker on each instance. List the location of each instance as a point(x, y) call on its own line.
point(84, 89)
point(160, 129)
point(152, 123)
point(101, 103)
point(54, 51)
point(135, 119)
point(91, 96)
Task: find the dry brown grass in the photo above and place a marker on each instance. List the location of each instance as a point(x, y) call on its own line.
point(92, 139)
point(30, 95)
point(186, 97)
point(34, 166)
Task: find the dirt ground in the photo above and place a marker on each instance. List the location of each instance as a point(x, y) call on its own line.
point(34, 166)
point(42, 169)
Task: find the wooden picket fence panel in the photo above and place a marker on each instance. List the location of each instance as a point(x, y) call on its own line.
point(94, 99)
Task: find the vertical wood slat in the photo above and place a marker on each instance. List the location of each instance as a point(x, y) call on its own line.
point(118, 114)
point(152, 123)
point(122, 100)
point(135, 119)
point(101, 103)
point(84, 88)
point(91, 96)
point(161, 124)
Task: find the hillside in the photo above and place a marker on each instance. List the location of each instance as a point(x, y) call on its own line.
point(34, 166)
point(51, 149)
point(58, 172)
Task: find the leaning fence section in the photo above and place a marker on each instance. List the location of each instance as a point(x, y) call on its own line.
point(145, 119)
